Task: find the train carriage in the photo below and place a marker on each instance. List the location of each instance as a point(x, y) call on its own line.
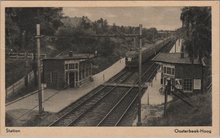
point(147, 52)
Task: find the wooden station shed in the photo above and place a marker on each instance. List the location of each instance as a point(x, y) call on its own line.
point(184, 74)
point(72, 70)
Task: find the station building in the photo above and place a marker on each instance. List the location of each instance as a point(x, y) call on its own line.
point(72, 70)
point(184, 74)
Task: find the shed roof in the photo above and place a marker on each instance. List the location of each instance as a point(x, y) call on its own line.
point(174, 58)
point(73, 57)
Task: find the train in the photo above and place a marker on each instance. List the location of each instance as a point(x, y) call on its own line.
point(148, 51)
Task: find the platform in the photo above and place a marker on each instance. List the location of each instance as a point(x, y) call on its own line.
point(55, 100)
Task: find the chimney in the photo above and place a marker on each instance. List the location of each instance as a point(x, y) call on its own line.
point(182, 55)
point(71, 54)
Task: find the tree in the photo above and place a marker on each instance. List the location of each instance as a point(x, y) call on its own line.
point(114, 28)
point(85, 24)
point(197, 24)
point(25, 19)
point(101, 26)
point(12, 33)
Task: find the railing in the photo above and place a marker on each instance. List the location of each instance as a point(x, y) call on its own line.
point(23, 55)
point(14, 88)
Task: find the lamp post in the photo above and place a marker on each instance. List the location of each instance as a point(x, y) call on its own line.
point(140, 74)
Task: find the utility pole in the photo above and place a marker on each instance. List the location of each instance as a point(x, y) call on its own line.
point(25, 54)
point(140, 74)
point(39, 70)
point(154, 45)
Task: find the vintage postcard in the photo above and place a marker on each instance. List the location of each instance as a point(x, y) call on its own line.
point(109, 68)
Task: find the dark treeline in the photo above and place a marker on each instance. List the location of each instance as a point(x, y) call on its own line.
point(72, 32)
point(81, 28)
point(21, 25)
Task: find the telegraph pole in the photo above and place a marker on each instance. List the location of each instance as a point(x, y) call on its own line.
point(154, 45)
point(39, 70)
point(26, 58)
point(140, 74)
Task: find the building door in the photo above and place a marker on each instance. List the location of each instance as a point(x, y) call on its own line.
point(72, 79)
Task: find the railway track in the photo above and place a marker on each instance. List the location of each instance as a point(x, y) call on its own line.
point(94, 116)
point(71, 113)
point(118, 112)
point(115, 116)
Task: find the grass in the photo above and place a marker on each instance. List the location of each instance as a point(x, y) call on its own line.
point(180, 114)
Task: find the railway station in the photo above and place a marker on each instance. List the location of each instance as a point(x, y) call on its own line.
point(180, 70)
point(73, 70)
point(140, 74)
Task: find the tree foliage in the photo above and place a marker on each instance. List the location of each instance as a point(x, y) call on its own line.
point(20, 21)
point(81, 28)
point(197, 24)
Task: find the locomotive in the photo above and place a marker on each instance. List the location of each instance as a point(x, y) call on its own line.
point(148, 52)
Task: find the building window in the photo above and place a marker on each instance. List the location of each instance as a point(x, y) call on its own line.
point(164, 69)
point(71, 66)
point(187, 85)
point(172, 71)
point(66, 66)
point(169, 70)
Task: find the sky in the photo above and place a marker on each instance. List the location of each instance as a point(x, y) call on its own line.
point(162, 18)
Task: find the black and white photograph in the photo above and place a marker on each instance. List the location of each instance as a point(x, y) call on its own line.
point(108, 66)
